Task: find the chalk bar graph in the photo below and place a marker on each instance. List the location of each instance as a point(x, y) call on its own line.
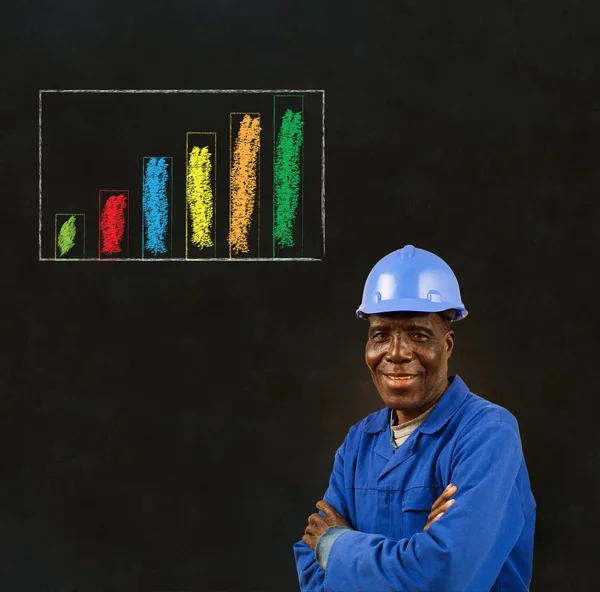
point(226, 175)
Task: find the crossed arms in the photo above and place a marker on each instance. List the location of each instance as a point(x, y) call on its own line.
point(465, 551)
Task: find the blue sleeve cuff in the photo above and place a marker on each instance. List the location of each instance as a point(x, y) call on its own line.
point(326, 541)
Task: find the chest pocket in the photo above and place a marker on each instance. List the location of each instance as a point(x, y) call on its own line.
point(416, 507)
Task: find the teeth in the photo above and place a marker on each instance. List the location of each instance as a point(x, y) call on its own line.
point(401, 377)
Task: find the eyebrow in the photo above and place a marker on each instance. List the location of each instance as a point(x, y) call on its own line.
point(378, 327)
point(417, 327)
point(411, 327)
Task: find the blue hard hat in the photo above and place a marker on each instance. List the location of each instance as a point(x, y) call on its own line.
point(411, 279)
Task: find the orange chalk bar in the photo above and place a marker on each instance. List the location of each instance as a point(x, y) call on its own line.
point(243, 182)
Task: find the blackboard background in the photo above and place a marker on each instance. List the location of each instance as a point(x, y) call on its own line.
point(186, 455)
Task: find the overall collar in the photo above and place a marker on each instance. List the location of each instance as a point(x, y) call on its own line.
point(445, 408)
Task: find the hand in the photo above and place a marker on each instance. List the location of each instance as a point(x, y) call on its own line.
point(317, 525)
point(440, 505)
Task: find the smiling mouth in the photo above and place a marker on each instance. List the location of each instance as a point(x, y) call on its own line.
point(400, 378)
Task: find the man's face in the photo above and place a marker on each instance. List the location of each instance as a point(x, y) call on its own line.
point(407, 354)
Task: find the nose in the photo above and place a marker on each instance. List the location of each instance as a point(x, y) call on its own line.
point(399, 350)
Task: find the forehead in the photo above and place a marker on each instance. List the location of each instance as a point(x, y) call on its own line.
point(424, 319)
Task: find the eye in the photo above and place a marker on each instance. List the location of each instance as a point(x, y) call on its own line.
point(420, 337)
point(378, 336)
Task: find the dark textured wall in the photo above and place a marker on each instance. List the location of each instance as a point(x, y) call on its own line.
point(190, 462)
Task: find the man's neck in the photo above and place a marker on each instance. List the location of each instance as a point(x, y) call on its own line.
point(401, 417)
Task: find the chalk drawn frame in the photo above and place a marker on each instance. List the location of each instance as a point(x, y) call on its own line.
point(41, 92)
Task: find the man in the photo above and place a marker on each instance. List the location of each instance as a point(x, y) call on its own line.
point(377, 530)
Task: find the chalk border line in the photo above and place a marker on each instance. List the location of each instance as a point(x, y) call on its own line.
point(182, 91)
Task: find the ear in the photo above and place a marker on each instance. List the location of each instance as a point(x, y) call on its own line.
point(449, 343)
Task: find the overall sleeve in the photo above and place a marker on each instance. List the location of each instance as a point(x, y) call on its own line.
point(468, 545)
point(310, 575)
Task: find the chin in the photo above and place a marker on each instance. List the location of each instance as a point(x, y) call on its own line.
point(403, 401)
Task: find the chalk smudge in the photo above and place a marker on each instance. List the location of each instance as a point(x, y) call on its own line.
point(66, 236)
point(155, 205)
point(112, 225)
point(200, 197)
point(244, 182)
point(286, 177)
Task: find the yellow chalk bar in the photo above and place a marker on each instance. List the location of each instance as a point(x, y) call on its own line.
point(199, 197)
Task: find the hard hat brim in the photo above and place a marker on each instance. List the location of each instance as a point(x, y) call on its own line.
point(413, 305)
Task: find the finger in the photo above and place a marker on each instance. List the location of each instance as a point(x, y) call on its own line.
point(441, 509)
point(310, 541)
point(316, 519)
point(315, 529)
point(327, 509)
point(430, 522)
point(446, 494)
